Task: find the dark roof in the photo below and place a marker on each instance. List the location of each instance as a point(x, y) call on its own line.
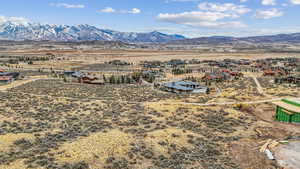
point(182, 85)
point(72, 73)
point(69, 72)
point(178, 87)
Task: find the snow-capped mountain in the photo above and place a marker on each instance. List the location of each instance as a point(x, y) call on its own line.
point(39, 32)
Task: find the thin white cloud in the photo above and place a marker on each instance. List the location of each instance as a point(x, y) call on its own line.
point(210, 15)
point(112, 10)
point(15, 20)
point(279, 30)
point(268, 2)
point(201, 19)
point(194, 16)
point(268, 14)
point(66, 5)
point(218, 25)
point(295, 2)
point(168, 1)
point(134, 11)
point(226, 7)
point(108, 10)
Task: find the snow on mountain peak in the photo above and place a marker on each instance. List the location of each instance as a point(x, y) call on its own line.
point(19, 29)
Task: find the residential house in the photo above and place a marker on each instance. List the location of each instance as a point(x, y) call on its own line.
point(6, 79)
point(184, 87)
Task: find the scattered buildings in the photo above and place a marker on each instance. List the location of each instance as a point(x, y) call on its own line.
point(291, 79)
point(76, 76)
point(288, 110)
point(152, 64)
point(272, 72)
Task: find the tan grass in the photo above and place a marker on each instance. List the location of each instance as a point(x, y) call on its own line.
point(19, 164)
point(96, 148)
point(165, 135)
point(8, 139)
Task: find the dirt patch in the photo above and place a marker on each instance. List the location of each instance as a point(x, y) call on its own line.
point(247, 155)
point(288, 156)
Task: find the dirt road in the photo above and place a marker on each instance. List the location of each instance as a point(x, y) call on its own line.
point(259, 88)
point(20, 83)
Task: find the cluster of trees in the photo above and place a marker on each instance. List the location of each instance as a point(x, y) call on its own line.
point(192, 78)
point(119, 63)
point(28, 59)
point(149, 77)
point(123, 79)
point(178, 71)
point(136, 77)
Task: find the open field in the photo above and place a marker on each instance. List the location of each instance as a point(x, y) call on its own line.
point(47, 122)
point(93, 56)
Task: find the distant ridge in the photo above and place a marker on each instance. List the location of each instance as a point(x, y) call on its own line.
point(293, 38)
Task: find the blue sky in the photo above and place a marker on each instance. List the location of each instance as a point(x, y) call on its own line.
point(193, 18)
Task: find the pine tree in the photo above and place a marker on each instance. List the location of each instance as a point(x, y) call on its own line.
point(112, 79)
point(118, 81)
point(104, 78)
point(122, 79)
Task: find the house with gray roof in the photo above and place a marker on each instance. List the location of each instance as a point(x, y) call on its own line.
point(184, 87)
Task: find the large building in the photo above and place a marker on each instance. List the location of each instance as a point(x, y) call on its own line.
point(288, 110)
point(184, 87)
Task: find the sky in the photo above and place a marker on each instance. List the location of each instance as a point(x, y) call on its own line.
point(192, 18)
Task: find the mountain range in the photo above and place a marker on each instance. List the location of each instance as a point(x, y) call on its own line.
point(66, 33)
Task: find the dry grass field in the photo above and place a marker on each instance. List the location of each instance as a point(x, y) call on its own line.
point(52, 124)
point(77, 58)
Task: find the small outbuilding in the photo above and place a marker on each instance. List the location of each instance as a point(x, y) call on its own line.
point(288, 110)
